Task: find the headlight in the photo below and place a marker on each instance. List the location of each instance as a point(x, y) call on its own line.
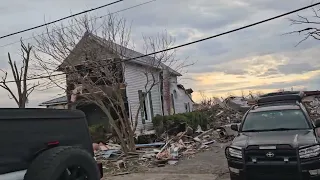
point(235, 152)
point(309, 152)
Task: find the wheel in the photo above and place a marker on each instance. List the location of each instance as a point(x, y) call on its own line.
point(63, 163)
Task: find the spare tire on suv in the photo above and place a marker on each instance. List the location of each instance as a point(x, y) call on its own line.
point(63, 163)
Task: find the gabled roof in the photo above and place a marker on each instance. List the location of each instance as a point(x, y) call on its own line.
point(126, 53)
point(56, 101)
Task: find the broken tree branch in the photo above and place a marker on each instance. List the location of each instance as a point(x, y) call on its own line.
point(20, 77)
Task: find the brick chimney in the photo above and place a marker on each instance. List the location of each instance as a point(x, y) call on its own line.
point(166, 91)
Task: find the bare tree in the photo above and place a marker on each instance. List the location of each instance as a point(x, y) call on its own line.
point(310, 26)
point(101, 51)
point(20, 76)
point(208, 103)
point(243, 94)
point(259, 93)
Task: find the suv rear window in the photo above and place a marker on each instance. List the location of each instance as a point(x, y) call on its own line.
point(277, 119)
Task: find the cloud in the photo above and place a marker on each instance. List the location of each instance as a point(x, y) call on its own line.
point(222, 84)
point(270, 65)
point(270, 72)
point(260, 57)
point(296, 68)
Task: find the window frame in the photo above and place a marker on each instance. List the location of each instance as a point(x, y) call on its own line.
point(186, 107)
point(147, 107)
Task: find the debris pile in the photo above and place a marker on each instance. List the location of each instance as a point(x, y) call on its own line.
point(158, 154)
point(237, 103)
point(114, 160)
point(186, 144)
point(180, 141)
point(227, 111)
point(312, 103)
point(222, 114)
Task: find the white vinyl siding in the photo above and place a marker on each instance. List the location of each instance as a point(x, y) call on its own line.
point(136, 80)
point(181, 98)
point(181, 101)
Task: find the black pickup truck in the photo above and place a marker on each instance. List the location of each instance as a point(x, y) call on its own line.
point(46, 144)
point(276, 140)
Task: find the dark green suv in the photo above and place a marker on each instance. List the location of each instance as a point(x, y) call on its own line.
point(276, 140)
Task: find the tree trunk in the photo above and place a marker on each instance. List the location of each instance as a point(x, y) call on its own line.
point(114, 126)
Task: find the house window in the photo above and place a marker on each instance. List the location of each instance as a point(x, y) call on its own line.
point(175, 94)
point(146, 109)
point(145, 105)
point(187, 107)
point(172, 105)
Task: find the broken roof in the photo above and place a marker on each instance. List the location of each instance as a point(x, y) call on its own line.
point(311, 93)
point(56, 101)
point(119, 50)
point(188, 92)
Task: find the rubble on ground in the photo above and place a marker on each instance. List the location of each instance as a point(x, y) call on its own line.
point(220, 116)
point(158, 154)
point(312, 103)
point(179, 142)
point(226, 112)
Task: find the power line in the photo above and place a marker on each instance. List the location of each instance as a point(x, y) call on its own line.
point(228, 32)
point(125, 9)
point(197, 41)
point(59, 74)
point(73, 15)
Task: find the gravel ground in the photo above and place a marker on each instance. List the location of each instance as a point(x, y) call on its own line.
point(204, 166)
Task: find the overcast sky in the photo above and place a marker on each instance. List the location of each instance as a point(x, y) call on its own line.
point(260, 58)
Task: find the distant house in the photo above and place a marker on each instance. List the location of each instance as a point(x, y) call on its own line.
point(183, 99)
point(166, 97)
point(57, 103)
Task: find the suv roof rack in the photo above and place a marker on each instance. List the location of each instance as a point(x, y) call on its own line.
point(281, 97)
point(281, 93)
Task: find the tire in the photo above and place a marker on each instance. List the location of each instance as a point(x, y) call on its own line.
point(58, 162)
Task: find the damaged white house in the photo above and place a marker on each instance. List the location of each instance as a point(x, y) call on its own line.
point(166, 97)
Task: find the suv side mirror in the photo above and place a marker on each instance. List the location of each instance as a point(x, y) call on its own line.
point(235, 127)
point(317, 123)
